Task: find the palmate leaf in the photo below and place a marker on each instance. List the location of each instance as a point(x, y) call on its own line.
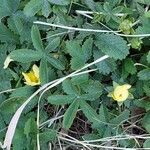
point(76, 52)
point(112, 45)
point(80, 54)
point(70, 114)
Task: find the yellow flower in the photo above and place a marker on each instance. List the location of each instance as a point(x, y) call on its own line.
point(121, 92)
point(32, 78)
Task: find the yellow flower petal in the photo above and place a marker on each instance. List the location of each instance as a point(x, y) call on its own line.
point(7, 61)
point(35, 70)
point(121, 93)
point(32, 77)
point(27, 78)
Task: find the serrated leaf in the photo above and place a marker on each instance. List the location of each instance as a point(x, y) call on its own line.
point(6, 35)
point(77, 54)
point(144, 74)
point(15, 24)
point(36, 38)
point(61, 99)
point(144, 28)
point(87, 48)
point(8, 7)
point(90, 4)
point(106, 66)
point(112, 45)
point(68, 87)
point(25, 55)
point(129, 66)
point(88, 111)
point(81, 79)
point(90, 96)
point(32, 7)
point(70, 114)
point(59, 2)
point(148, 57)
point(48, 135)
point(122, 117)
point(46, 8)
point(30, 127)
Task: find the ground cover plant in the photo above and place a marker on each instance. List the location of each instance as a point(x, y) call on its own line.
point(75, 74)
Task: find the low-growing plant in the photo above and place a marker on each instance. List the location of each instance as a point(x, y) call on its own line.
point(74, 74)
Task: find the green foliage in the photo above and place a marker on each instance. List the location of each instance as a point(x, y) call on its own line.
point(70, 114)
point(80, 104)
point(25, 55)
point(36, 38)
point(144, 74)
point(112, 45)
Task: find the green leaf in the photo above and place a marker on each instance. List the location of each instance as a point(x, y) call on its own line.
point(48, 135)
point(147, 2)
point(122, 117)
point(146, 144)
point(146, 122)
point(59, 2)
point(148, 57)
point(52, 45)
point(43, 72)
point(46, 8)
point(25, 55)
point(90, 4)
point(36, 38)
point(144, 28)
point(8, 7)
point(87, 48)
point(129, 66)
point(144, 74)
point(30, 127)
point(70, 114)
point(106, 66)
point(80, 80)
point(90, 96)
point(55, 62)
point(25, 91)
point(68, 87)
point(75, 50)
point(61, 99)
point(32, 7)
point(112, 45)
point(88, 111)
point(6, 35)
